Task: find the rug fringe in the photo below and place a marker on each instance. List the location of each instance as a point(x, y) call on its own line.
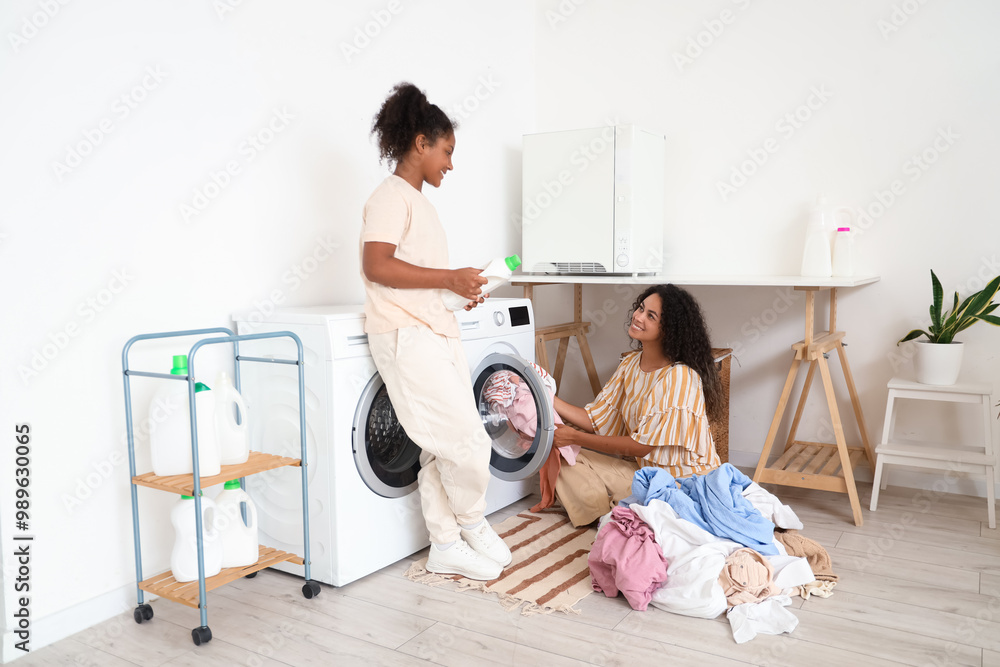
point(417, 573)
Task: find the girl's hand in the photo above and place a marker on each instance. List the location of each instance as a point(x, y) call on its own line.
point(564, 435)
point(473, 304)
point(466, 283)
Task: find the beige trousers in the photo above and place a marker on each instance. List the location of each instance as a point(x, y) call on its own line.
point(428, 381)
point(591, 488)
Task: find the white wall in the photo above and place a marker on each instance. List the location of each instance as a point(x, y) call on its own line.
point(103, 250)
point(885, 86)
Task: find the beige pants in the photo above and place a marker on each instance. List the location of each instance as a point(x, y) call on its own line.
point(591, 488)
point(428, 381)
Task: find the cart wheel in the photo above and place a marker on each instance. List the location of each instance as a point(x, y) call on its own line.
point(201, 635)
point(142, 613)
point(251, 575)
point(311, 589)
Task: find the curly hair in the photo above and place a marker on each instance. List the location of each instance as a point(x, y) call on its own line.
point(684, 337)
point(405, 114)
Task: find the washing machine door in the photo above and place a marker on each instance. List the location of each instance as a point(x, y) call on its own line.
point(387, 460)
point(521, 444)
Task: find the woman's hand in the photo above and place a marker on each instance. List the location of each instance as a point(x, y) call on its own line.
point(565, 435)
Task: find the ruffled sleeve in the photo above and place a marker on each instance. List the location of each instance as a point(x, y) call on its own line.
point(606, 412)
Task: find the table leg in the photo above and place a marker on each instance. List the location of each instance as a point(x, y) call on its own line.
point(838, 430)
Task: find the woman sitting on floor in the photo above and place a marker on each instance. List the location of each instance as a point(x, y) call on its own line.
point(654, 410)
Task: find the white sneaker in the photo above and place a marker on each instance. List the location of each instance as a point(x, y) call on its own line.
point(462, 559)
point(486, 541)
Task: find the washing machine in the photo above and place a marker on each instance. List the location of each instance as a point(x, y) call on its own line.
point(364, 507)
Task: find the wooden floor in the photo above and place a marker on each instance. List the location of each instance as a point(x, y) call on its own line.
point(919, 585)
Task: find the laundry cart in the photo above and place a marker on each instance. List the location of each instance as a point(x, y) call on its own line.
point(194, 594)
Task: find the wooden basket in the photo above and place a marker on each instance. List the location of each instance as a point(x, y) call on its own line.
point(720, 429)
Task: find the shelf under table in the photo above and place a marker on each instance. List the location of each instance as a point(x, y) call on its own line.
point(184, 484)
point(186, 593)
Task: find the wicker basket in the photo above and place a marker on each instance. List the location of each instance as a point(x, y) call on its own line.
point(720, 429)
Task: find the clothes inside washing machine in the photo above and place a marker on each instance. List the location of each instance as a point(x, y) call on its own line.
point(509, 411)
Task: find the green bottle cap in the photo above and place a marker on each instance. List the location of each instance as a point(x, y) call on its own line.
point(180, 365)
point(512, 263)
point(232, 484)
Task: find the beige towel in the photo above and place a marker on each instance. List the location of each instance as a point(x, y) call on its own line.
point(747, 577)
point(797, 544)
point(817, 557)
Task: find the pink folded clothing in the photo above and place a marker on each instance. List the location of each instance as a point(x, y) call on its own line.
point(626, 558)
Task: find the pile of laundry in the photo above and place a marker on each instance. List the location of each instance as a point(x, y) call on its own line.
point(706, 545)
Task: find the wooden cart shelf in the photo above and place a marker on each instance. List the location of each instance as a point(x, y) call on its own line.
point(186, 593)
point(184, 484)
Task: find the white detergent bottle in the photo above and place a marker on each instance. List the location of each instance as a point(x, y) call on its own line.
point(496, 273)
point(816, 254)
point(230, 422)
point(184, 557)
point(238, 537)
point(843, 253)
point(170, 427)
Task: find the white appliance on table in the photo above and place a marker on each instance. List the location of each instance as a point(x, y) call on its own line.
point(364, 507)
point(592, 201)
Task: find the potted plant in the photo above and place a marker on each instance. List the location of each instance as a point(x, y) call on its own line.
point(939, 358)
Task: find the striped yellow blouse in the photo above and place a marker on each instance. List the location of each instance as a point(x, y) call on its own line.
point(664, 409)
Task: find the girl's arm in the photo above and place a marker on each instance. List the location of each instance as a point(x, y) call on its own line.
point(608, 444)
point(573, 414)
point(381, 266)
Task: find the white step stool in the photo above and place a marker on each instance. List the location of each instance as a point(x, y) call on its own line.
point(941, 456)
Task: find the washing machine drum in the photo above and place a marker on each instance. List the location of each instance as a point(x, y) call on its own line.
point(387, 459)
point(517, 414)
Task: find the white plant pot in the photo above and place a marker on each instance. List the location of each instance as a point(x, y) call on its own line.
point(938, 363)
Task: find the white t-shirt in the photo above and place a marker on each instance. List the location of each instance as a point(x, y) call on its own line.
point(399, 214)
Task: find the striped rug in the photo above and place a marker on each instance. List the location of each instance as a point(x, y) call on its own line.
point(549, 571)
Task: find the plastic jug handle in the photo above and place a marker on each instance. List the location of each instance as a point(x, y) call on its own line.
point(242, 405)
point(251, 515)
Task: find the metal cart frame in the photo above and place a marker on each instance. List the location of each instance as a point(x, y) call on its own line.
point(144, 611)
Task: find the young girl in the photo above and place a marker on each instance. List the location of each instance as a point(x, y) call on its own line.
point(414, 339)
point(655, 408)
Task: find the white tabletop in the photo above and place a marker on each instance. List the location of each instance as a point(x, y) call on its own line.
point(748, 281)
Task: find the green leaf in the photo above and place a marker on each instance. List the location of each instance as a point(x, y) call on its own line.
point(938, 292)
point(982, 299)
point(916, 333)
point(992, 319)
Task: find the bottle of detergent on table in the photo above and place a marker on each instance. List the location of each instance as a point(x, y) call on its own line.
point(816, 254)
point(170, 427)
point(497, 272)
point(843, 253)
